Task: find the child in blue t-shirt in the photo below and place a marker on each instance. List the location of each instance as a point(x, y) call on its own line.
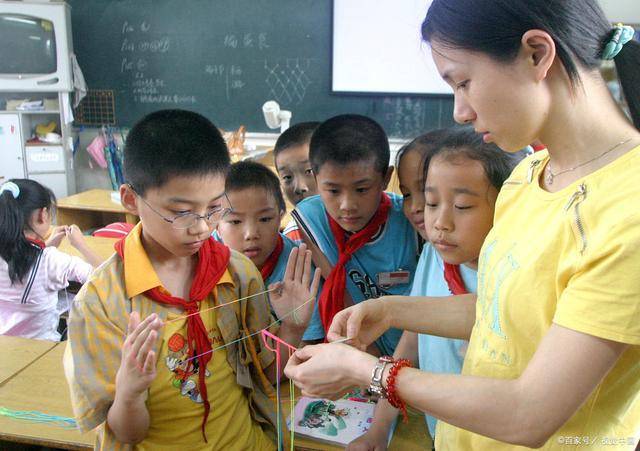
point(359, 237)
point(252, 226)
point(452, 177)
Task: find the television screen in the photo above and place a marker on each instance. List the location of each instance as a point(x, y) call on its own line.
point(29, 43)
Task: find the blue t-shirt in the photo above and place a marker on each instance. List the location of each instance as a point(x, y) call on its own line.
point(438, 354)
point(281, 265)
point(393, 248)
point(278, 272)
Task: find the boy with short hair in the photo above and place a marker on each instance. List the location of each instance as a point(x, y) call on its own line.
point(360, 237)
point(193, 373)
point(252, 228)
point(291, 156)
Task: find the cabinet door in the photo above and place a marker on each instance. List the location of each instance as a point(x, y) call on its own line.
point(55, 182)
point(10, 147)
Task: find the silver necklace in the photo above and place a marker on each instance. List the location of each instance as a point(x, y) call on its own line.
point(550, 175)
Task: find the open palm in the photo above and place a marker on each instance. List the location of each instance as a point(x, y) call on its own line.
point(294, 297)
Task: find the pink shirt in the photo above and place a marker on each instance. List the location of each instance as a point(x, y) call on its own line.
point(36, 315)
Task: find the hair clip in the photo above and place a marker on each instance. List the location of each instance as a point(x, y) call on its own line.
point(621, 35)
point(12, 188)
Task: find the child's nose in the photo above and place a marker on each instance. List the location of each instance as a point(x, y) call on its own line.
point(251, 232)
point(199, 227)
point(417, 207)
point(443, 222)
point(347, 203)
point(300, 187)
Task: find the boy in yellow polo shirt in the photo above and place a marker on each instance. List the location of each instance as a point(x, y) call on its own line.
point(160, 354)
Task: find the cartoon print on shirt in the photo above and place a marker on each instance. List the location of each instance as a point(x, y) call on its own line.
point(182, 368)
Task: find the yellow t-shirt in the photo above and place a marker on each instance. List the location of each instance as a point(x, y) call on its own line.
point(175, 403)
point(571, 258)
point(236, 384)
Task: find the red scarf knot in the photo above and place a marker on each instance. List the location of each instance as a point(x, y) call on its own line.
point(332, 296)
point(213, 259)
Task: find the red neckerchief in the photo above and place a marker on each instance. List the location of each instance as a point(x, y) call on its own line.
point(454, 279)
point(332, 296)
point(271, 261)
point(213, 259)
point(37, 242)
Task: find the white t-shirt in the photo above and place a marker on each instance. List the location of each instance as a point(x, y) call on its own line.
point(35, 315)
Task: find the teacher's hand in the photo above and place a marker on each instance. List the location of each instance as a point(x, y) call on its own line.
point(329, 370)
point(362, 323)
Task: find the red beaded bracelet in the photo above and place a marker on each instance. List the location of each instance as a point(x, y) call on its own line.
point(392, 394)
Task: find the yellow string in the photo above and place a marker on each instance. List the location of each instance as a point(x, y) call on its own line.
point(221, 305)
point(292, 403)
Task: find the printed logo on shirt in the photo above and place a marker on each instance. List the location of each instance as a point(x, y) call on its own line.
point(490, 282)
point(366, 285)
point(185, 371)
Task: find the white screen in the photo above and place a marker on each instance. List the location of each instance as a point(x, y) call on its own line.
point(377, 48)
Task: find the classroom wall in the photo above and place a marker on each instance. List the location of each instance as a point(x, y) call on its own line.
point(627, 11)
point(96, 177)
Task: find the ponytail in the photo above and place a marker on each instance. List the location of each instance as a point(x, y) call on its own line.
point(16, 207)
point(628, 69)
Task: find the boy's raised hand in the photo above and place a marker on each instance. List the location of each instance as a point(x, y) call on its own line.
point(138, 364)
point(299, 286)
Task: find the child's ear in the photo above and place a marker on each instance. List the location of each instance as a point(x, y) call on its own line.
point(129, 199)
point(539, 49)
point(387, 177)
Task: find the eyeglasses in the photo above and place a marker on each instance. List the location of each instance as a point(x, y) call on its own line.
point(188, 220)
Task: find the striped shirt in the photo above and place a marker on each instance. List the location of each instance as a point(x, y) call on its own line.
point(30, 308)
point(98, 325)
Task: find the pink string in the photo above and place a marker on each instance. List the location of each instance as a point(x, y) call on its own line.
point(266, 334)
point(279, 341)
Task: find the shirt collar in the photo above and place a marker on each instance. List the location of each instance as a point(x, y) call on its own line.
point(139, 274)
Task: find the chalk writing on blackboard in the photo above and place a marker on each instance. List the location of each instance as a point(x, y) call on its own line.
point(228, 75)
point(246, 41)
point(405, 116)
point(288, 80)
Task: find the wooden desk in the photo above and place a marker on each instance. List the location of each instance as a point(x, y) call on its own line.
point(41, 387)
point(18, 353)
point(92, 209)
point(100, 245)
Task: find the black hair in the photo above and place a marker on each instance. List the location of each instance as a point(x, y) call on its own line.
point(423, 144)
point(296, 135)
point(464, 142)
point(15, 215)
point(249, 174)
point(170, 143)
point(579, 29)
point(349, 138)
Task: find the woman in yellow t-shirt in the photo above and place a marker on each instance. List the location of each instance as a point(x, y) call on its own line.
point(554, 353)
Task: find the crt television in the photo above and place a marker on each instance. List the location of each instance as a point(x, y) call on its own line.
point(36, 44)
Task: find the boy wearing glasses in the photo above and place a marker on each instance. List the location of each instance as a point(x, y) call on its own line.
point(159, 354)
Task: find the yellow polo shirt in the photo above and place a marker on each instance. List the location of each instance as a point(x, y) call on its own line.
point(571, 258)
point(235, 381)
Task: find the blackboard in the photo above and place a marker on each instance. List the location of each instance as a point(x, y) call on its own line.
point(225, 58)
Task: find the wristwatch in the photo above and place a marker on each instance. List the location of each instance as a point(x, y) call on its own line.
point(376, 390)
